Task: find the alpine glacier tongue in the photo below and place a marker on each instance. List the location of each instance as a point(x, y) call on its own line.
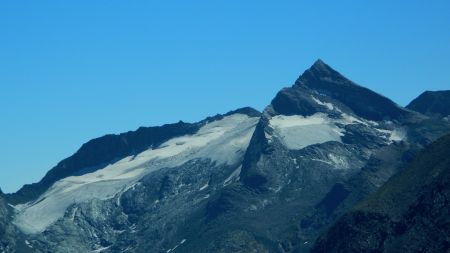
point(222, 141)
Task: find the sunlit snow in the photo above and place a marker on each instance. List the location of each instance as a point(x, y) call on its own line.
point(327, 105)
point(297, 132)
point(223, 141)
point(235, 174)
point(395, 135)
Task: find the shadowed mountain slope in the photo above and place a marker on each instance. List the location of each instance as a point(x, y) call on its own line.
point(432, 103)
point(410, 213)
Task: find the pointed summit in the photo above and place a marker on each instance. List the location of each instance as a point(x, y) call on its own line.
point(319, 65)
point(333, 87)
point(320, 68)
point(319, 71)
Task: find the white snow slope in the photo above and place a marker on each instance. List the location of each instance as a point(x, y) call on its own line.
point(297, 132)
point(223, 141)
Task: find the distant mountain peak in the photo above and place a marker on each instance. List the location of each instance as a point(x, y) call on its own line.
point(322, 80)
point(432, 103)
point(321, 66)
point(320, 71)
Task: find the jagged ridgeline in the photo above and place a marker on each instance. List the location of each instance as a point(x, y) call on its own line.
point(244, 181)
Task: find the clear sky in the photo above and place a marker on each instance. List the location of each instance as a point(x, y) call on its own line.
point(74, 70)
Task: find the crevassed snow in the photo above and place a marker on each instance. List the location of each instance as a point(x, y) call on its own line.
point(223, 141)
point(297, 132)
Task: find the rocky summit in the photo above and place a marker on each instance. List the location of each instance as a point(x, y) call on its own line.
point(244, 181)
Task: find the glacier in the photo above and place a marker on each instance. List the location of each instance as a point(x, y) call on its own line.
point(222, 141)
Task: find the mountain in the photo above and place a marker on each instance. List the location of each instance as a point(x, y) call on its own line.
point(432, 103)
point(323, 81)
point(99, 152)
point(321, 146)
point(244, 181)
point(410, 213)
point(120, 204)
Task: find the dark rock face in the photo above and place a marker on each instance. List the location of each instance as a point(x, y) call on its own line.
point(410, 213)
point(11, 240)
point(432, 103)
point(155, 215)
point(5, 229)
point(321, 80)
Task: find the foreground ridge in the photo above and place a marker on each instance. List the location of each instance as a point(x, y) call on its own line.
point(408, 214)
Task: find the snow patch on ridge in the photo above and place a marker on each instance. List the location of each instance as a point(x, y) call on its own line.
point(223, 142)
point(101, 249)
point(204, 187)
point(327, 105)
point(235, 174)
point(347, 118)
point(338, 161)
point(176, 246)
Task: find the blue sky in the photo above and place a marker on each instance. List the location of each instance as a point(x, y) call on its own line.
point(74, 70)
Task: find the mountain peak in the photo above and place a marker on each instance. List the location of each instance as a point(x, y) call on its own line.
point(319, 71)
point(320, 66)
point(432, 103)
point(332, 87)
